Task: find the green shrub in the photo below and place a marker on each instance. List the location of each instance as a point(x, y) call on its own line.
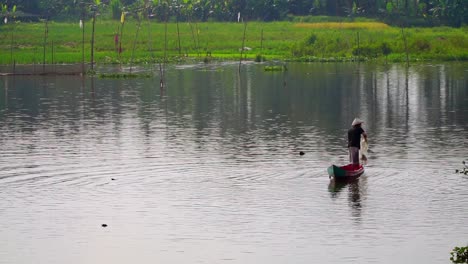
point(385, 48)
point(421, 45)
point(259, 58)
point(367, 51)
point(311, 39)
point(459, 255)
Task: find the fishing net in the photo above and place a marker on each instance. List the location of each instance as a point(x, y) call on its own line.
point(363, 150)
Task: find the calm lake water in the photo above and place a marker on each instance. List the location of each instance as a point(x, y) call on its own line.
point(208, 170)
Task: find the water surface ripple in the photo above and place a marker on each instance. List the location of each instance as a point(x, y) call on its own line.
point(208, 169)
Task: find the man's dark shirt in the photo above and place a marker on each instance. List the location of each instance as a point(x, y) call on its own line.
point(354, 136)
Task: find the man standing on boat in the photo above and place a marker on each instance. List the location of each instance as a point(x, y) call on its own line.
point(354, 140)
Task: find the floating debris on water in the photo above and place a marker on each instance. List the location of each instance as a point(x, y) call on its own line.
point(124, 75)
point(464, 170)
point(276, 68)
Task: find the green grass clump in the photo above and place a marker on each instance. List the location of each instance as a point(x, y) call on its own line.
point(124, 75)
point(459, 255)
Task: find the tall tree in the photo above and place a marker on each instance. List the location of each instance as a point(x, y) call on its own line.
point(452, 12)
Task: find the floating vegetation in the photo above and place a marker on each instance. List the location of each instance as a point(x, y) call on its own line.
point(276, 68)
point(124, 75)
point(91, 72)
point(328, 59)
point(459, 255)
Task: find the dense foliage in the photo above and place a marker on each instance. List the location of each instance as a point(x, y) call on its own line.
point(459, 255)
point(406, 12)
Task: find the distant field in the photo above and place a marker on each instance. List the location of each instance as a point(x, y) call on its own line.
point(24, 42)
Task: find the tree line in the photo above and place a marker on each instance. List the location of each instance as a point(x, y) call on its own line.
point(401, 12)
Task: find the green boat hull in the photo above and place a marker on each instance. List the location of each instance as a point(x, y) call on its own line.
point(347, 172)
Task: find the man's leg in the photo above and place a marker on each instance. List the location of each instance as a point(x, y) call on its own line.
point(354, 155)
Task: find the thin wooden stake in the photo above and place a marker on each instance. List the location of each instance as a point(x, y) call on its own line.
point(242, 48)
point(134, 44)
point(406, 47)
point(46, 32)
point(11, 44)
point(82, 45)
point(358, 47)
point(261, 42)
point(52, 53)
point(92, 41)
point(120, 44)
point(178, 32)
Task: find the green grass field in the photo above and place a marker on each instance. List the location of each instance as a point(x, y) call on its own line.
point(23, 43)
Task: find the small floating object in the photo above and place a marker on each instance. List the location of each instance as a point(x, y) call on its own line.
point(112, 179)
point(301, 153)
point(276, 68)
point(104, 225)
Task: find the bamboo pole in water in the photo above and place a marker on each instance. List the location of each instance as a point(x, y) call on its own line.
point(406, 46)
point(193, 38)
point(82, 44)
point(92, 41)
point(52, 53)
point(165, 39)
point(261, 42)
point(178, 32)
point(12, 60)
point(161, 66)
point(358, 47)
point(150, 39)
point(11, 43)
point(198, 38)
point(122, 22)
point(46, 32)
point(242, 48)
point(34, 61)
point(134, 43)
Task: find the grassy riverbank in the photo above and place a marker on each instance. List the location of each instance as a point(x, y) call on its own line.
point(23, 43)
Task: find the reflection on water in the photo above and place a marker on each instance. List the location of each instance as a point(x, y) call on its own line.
point(355, 190)
point(208, 169)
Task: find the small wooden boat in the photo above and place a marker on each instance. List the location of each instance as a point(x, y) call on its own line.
point(345, 173)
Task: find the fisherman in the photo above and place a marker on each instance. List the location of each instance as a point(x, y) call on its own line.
point(354, 140)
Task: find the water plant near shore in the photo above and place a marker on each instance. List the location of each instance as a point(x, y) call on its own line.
point(459, 255)
point(124, 75)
